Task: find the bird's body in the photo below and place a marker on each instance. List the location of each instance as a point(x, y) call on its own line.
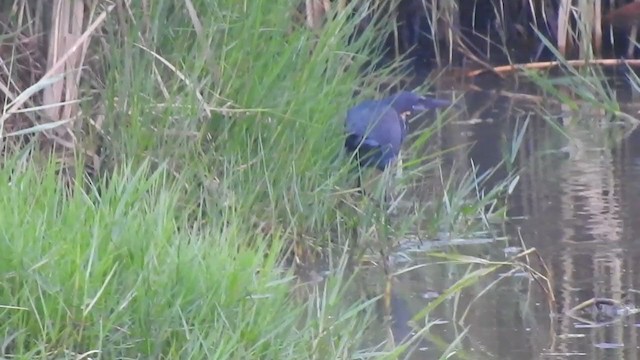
point(377, 140)
point(376, 129)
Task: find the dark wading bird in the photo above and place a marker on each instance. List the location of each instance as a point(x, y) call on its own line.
point(376, 129)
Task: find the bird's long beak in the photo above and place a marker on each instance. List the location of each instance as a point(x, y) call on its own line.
point(426, 104)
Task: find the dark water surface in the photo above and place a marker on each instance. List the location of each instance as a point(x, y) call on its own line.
point(578, 204)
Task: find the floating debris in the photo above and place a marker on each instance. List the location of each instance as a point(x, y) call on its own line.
point(602, 311)
point(608, 345)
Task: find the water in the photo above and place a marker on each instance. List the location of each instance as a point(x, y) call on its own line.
point(578, 204)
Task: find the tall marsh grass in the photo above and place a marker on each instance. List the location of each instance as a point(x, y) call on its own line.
point(118, 275)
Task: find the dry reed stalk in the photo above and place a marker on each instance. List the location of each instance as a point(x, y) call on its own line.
point(20, 67)
point(66, 53)
point(450, 11)
point(316, 11)
point(597, 27)
point(342, 5)
point(585, 14)
point(563, 26)
point(66, 26)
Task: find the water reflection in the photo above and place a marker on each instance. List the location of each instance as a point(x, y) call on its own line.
point(578, 203)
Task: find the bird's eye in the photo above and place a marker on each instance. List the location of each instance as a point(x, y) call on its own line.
point(405, 114)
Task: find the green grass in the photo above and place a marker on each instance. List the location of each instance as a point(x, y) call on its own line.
point(206, 136)
point(122, 276)
point(286, 93)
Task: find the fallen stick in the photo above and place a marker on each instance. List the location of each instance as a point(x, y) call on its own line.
point(550, 64)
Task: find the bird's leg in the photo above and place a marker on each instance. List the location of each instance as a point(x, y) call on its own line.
point(391, 195)
point(359, 184)
point(387, 188)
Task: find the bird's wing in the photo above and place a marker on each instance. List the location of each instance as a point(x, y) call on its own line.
point(377, 125)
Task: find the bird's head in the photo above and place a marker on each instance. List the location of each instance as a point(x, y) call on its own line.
point(407, 102)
